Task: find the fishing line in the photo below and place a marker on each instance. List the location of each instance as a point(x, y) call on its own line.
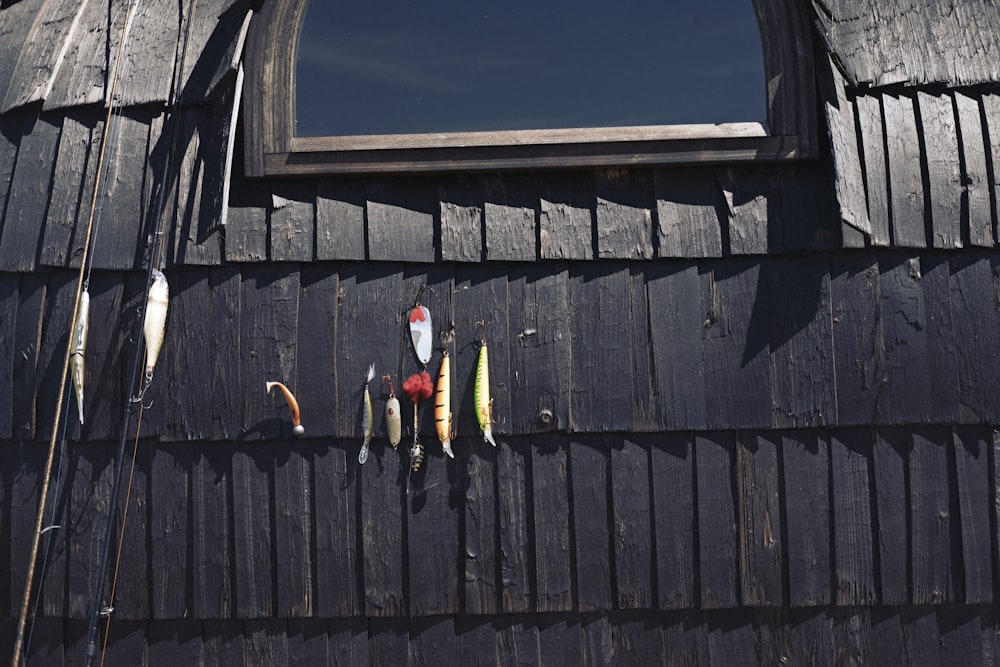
point(19, 640)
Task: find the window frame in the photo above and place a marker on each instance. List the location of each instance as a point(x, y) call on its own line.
point(272, 149)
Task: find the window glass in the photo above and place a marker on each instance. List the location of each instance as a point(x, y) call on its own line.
point(422, 66)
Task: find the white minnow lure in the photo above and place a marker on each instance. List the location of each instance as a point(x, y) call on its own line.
point(156, 320)
point(442, 406)
point(422, 333)
point(481, 392)
point(79, 348)
point(293, 406)
point(393, 420)
point(368, 419)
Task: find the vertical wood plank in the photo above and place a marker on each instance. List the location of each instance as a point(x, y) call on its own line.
point(873, 147)
point(269, 305)
point(801, 347)
point(690, 211)
point(566, 216)
point(991, 114)
point(175, 642)
point(753, 224)
point(601, 352)
point(937, 576)
point(673, 478)
point(562, 637)
point(461, 211)
point(551, 523)
point(904, 318)
point(382, 526)
point(623, 217)
point(760, 521)
point(222, 644)
point(347, 642)
point(886, 637)
point(509, 214)
point(634, 550)
point(293, 221)
point(540, 362)
point(388, 641)
point(336, 494)
point(293, 530)
point(482, 586)
point(942, 354)
point(340, 219)
point(9, 294)
point(810, 636)
point(27, 345)
point(851, 465)
point(400, 217)
point(224, 286)
point(246, 217)
point(265, 641)
point(89, 477)
point(735, 344)
point(676, 322)
point(133, 599)
point(972, 449)
point(634, 641)
point(959, 633)
point(645, 410)
point(975, 182)
point(212, 536)
point(24, 217)
point(316, 370)
point(190, 345)
point(805, 460)
point(170, 521)
point(906, 188)
point(516, 640)
point(49, 356)
point(24, 494)
point(516, 507)
point(717, 549)
point(939, 130)
point(890, 458)
point(731, 638)
point(253, 536)
point(589, 480)
point(857, 336)
point(976, 323)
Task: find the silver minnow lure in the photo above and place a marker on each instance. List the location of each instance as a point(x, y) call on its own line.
point(79, 348)
point(156, 319)
point(368, 418)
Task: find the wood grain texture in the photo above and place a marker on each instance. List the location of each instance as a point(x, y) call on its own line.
point(551, 524)
point(972, 281)
point(847, 166)
point(734, 346)
point(337, 538)
point(269, 306)
point(645, 408)
point(81, 76)
point(760, 521)
point(400, 218)
point(937, 574)
point(294, 530)
point(942, 354)
point(938, 127)
point(977, 224)
point(623, 217)
point(890, 456)
point(753, 223)
point(147, 72)
point(991, 116)
point(805, 464)
point(481, 523)
point(676, 325)
point(510, 215)
point(50, 352)
point(28, 198)
point(716, 502)
point(462, 230)
point(188, 338)
point(871, 132)
point(515, 505)
point(212, 533)
point(383, 516)
point(634, 549)
point(906, 187)
point(211, 35)
point(601, 397)
point(246, 217)
point(198, 209)
point(170, 534)
point(22, 510)
point(853, 518)
point(801, 342)
point(253, 538)
point(566, 216)
point(89, 477)
point(293, 222)
point(9, 292)
point(340, 219)
point(972, 451)
point(224, 284)
point(690, 212)
point(316, 366)
point(589, 473)
point(27, 348)
point(859, 357)
point(540, 361)
point(676, 545)
point(905, 329)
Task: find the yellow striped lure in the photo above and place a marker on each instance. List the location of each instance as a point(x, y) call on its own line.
point(79, 348)
point(368, 418)
point(481, 394)
point(293, 407)
point(442, 405)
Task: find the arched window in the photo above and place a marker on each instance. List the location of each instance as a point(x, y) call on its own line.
point(402, 85)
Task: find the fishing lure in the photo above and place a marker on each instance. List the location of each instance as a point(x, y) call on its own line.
point(393, 422)
point(421, 333)
point(481, 393)
point(79, 348)
point(156, 320)
point(417, 386)
point(442, 406)
point(368, 419)
point(293, 407)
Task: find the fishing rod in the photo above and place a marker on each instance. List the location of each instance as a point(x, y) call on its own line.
point(18, 656)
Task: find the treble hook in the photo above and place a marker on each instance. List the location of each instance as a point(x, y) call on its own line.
point(146, 381)
point(482, 323)
point(420, 293)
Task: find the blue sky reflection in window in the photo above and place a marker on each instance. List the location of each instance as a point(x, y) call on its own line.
point(419, 66)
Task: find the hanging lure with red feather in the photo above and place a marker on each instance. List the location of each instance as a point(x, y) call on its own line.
point(418, 386)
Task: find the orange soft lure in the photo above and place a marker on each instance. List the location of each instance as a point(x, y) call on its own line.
point(293, 406)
